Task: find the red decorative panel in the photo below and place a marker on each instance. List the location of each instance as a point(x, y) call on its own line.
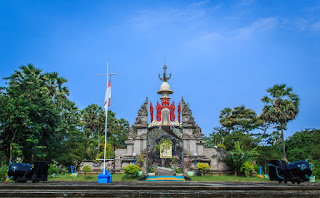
point(165, 104)
point(172, 108)
point(159, 109)
point(179, 111)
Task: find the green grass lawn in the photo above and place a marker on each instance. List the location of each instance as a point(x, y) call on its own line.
point(67, 177)
point(228, 178)
point(123, 177)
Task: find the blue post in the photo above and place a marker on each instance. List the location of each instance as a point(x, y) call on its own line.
point(134, 160)
point(260, 173)
point(71, 169)
point(195, 165)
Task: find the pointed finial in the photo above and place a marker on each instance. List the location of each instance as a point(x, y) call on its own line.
point(164, 78)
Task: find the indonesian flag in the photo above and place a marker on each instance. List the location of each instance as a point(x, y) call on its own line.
point(107, 99)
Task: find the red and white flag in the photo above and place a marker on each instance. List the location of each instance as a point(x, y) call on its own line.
point(107, 99)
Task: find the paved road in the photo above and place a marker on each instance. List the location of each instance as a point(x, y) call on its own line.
point(159, 189)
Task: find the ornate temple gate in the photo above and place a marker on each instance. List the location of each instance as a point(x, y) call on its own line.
point(165, 150)
point(170, 141)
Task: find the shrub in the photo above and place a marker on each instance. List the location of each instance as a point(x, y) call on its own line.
point(257, 168)
point(3, 173)
point(152, 169)
point(187, 163)
point(176, 168)
point(140, 160)
point(221, 146)
point(86, 169)
point(52, 169)
point(247, 168)
point(316, 169)
point(63, 170)
point(202, 168)
point(131, 170)
point(235, 159)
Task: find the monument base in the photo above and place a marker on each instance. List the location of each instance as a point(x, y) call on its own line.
point(105, 177)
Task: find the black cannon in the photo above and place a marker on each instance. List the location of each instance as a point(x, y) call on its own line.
point(20, 172)
point(299, 171)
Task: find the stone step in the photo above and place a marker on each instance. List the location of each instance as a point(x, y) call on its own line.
point(163, 171)
point(159, 189)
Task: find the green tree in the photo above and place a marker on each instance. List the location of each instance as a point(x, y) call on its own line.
point(304, 145)
point(93, 119)
point(240, 119)
point(301, 145)
point(280, 108)
point(216, 137)
point(36, 114)
point(29, 117)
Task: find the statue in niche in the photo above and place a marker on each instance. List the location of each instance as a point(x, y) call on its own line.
point(165, 115)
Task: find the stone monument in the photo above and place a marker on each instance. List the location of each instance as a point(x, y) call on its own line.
point(167, 142)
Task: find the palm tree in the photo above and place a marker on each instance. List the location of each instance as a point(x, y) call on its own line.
point(54, 83)
point(280, 108)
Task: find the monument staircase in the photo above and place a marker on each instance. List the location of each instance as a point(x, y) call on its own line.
point(163, 171)
point(165, 174)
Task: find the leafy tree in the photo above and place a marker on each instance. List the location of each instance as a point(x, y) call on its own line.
point(301, 144)
point(118, 130)
point(274, 138)
point(240, 119)
point(28, 115)
point(267, 153)
point(73, 149)
point(36, 115)
point(280, 108)
point(304, 145)
point(93, 119)
point(216, 137)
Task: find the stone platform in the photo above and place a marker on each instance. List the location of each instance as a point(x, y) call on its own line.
point(159, 189)
point(165, 178)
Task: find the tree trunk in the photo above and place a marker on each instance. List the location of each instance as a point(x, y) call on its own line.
point(10, 153)
point(283, 145)
point(235, 173)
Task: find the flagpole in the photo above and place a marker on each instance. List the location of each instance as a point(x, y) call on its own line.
point(105, 176)
point(106, 129)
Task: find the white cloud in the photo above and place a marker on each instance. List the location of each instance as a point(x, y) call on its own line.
point(315, 26)
point(260, 25)
point(189, 17)
point(306, 25)
point(246, 2)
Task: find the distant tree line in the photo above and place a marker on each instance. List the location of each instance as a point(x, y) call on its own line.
point(39, 122)
point(243, 132)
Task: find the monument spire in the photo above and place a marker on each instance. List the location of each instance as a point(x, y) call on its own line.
point(164, 78)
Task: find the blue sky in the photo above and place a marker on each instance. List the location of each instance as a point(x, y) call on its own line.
point(220, 53)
